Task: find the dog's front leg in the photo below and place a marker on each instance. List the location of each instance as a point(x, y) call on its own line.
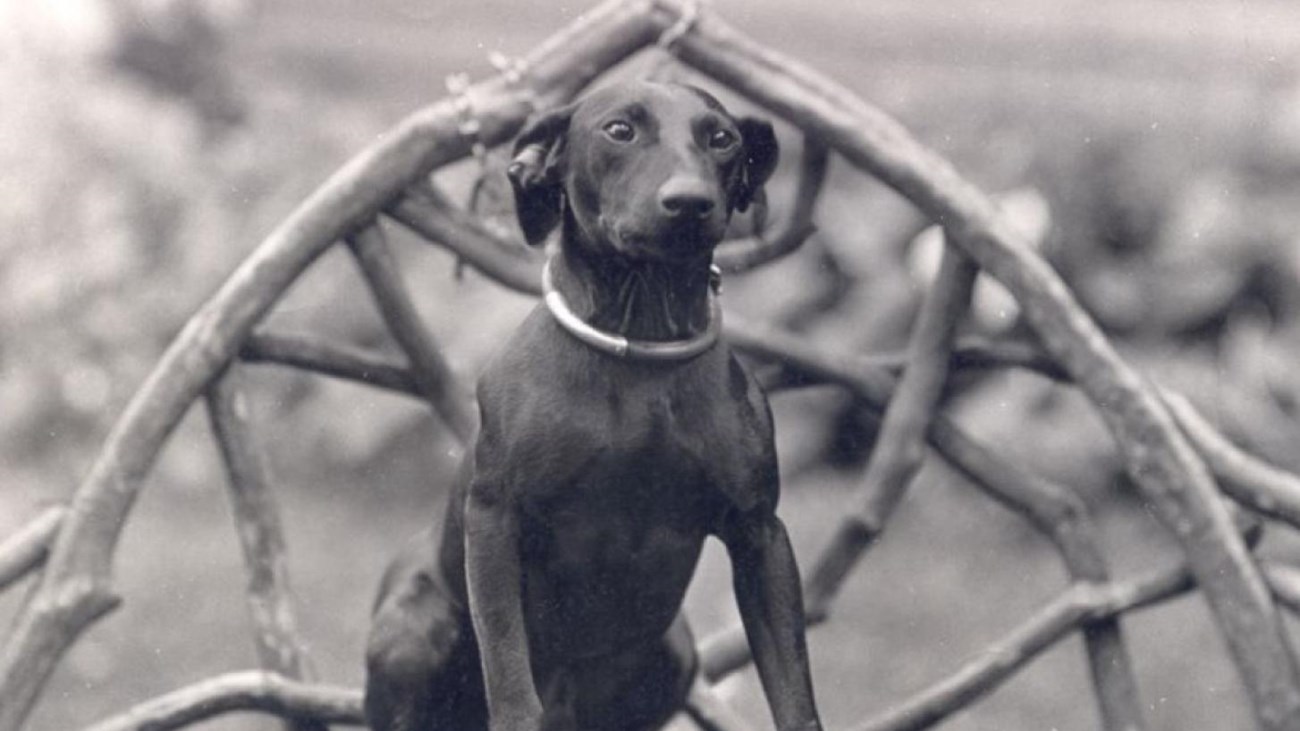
point(495, 601)
point(768, 594)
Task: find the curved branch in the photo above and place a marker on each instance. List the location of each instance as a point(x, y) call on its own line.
point(1083, 604)
point(1001, 659)
point(744, 254)
point(26, 550)
point(1244, 477)
point(1168, 472)
point(252, 690)
point(430, 369)
point(312, 354)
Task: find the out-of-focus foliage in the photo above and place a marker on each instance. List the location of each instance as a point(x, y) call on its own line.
point(135, 171)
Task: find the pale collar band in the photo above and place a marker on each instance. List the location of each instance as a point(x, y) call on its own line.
point(622, 347)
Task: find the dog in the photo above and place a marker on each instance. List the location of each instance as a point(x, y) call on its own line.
point(617, 434)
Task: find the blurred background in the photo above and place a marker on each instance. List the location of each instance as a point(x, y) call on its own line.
point(1151, 148)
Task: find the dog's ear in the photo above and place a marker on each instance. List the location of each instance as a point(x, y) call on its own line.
point(536, 173)
point(761, 153)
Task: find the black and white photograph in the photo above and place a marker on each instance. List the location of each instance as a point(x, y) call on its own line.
point(625, 365)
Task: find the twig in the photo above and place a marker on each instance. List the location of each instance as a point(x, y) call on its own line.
point(995, 663)
point(446, 225)
point(1083, 604)
point(900, 448)
point(432, 374)
point(1167, 471)
point(252, 690)
point(76, 586)
point(968, 355)
point(313, 354)
point(1244, 477)
point(261, 536)
point(26, 550)
point(750, 253)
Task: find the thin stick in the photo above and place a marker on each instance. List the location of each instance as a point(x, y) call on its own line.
point(1244, 477)
point(261, 536)
point(432, 374)
point(251, 690)
point(900, 448)
point(26, 550)
point(1000, 660)
point(1166, 469)
point(746, 254)
point(456, 230)
point(313, 354)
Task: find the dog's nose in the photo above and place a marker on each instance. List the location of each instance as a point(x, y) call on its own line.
point(686, 198)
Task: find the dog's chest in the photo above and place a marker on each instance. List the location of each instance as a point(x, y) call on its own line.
point(644, 448)
point(571, 429)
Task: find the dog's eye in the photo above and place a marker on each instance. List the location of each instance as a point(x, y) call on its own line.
point(620, 131)
point(722, 139)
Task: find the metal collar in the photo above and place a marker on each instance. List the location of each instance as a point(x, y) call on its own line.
point(621, 347)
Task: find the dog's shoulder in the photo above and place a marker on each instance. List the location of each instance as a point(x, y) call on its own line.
point(537, 358)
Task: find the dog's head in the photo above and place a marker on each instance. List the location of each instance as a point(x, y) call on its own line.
point(651, 171)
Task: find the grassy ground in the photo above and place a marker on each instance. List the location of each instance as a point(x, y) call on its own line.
point(360, 470)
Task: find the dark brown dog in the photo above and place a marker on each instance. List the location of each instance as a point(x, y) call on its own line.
point(602, 464)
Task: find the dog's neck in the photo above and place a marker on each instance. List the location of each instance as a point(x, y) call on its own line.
point(639, 300)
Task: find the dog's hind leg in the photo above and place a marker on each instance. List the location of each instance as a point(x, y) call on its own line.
point(421, 659)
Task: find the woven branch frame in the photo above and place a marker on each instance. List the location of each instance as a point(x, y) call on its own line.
point(1172, 453)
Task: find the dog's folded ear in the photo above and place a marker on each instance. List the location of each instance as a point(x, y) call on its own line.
point(761, 153)
point(536, 173)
